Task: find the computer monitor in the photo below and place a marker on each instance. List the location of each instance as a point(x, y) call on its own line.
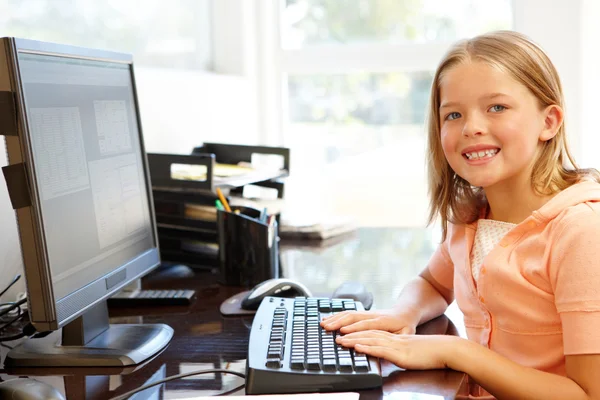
point(78, 180)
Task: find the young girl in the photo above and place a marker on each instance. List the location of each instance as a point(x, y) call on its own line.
point(521, 234)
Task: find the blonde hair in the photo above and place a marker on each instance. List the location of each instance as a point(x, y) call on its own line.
point(453, 198)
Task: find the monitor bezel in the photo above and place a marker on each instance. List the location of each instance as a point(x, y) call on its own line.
point(46, 312)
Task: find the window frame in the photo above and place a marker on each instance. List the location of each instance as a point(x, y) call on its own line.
point(326, 59)
point(573, 51)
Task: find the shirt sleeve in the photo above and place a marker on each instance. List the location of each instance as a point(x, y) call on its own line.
point(441, 267)
point(575, 276)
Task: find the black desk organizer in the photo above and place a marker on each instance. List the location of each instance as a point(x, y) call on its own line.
point(180, 236)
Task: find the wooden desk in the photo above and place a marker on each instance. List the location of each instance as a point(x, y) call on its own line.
point(204, 339)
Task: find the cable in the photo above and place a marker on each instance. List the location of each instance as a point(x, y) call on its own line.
point(12, 321)
point(227, 393)
point(12, 306)
point(10, 313)
point(16, 278)
point(28, 330)
point(171, 378)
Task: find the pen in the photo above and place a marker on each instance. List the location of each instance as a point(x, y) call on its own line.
point(219, 205)
point(263, 215)
point(223, 200)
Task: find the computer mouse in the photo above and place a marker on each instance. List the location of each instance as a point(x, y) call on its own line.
point(28, 389)
point(355, 291)
point(170, 272)
point(280, 287)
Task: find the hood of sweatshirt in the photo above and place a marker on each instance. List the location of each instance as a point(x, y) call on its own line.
point(583, 192)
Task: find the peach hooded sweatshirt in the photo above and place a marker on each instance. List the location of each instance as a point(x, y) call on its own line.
point(538, 293)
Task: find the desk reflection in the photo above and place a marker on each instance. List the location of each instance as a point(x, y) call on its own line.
point(383, 259)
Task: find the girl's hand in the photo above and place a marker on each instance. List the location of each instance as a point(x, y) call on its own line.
point(383, 320)
point(406, 351)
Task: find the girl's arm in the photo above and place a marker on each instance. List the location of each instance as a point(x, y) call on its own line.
point(427, 296)
point(421, 300)
point(506, 379)
point(498, 375)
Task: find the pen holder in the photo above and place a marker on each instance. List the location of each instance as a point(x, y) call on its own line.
point(248, 248)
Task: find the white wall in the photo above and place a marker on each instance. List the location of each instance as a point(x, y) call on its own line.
point(10, 249)
point(569, 32)
point(182, 109)
point(590, 72)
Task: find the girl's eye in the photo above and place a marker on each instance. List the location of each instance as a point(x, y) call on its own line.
point(497, 108)
point(452, 115)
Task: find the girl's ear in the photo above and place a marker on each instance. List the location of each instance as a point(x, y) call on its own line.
point(553, 120)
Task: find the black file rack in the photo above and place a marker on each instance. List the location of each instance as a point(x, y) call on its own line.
point(191, 239)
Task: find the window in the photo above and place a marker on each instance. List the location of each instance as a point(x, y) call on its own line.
point(173, 35)
point(320, 22)
point(183, 102)
point(355, 81)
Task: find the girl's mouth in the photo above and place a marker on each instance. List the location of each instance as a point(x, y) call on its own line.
point(481, 154)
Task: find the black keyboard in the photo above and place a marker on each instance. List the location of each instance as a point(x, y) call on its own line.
point(289, 352)
point(149, 298)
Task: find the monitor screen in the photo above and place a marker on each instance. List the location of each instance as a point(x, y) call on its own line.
point(85, 210)
point(88, 166)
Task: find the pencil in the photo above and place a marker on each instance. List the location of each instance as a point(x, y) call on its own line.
point(223, 200)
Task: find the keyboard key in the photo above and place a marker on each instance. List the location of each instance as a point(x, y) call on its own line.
point(297, 363)
point(329, 364)
point(274, 354)
point(273, 363)
point(345, 364)
point(313, 363)
point(361, 366)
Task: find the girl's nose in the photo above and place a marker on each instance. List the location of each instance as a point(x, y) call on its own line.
point(473, 127)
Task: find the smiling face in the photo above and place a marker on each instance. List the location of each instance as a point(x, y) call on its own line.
point(491, 125)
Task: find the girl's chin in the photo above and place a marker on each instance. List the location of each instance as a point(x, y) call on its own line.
point(481, 183)
point(487, 185)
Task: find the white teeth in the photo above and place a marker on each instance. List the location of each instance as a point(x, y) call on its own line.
point(475, 155)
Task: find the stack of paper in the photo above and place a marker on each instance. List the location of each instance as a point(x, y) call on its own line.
point(325, 228)
point(198, 172)
point(223, 174)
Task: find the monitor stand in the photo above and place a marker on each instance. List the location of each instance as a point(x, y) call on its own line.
point(90, 341)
